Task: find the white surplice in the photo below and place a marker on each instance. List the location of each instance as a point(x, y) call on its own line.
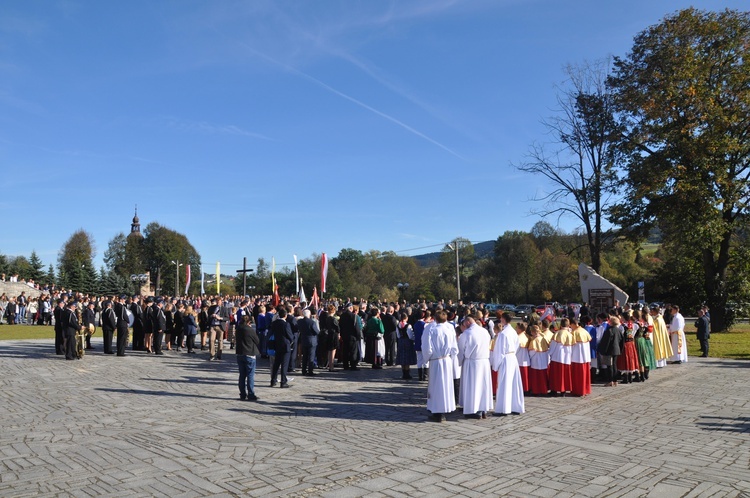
point(509, 385)
point(476, 380)
point(440, 349)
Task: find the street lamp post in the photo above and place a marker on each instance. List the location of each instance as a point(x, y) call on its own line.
point(138, 281)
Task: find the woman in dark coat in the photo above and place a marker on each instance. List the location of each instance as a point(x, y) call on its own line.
point(610, 348)
point(330, 323)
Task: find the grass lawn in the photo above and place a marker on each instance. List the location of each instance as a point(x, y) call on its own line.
point(16, 332)
point(734, 344)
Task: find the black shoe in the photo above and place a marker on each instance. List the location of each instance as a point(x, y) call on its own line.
point(283, 386)
point(109, 352)
point(354, 369)
point(123, 354)
point(160, 353)
point(243, 398)
point(252, 398)
point(273, 384)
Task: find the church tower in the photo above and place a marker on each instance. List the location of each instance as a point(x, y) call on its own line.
point(135, 227)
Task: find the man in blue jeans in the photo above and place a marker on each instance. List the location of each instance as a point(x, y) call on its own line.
point(247, 349)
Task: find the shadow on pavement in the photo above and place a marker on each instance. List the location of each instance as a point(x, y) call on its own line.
point(736, 424)
point(379, 403)
point(159, 393)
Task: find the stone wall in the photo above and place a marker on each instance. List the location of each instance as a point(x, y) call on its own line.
point(13, 289)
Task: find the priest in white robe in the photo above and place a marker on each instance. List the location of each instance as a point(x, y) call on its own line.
point(439, 349)
point(476, 378)
point(677, 336)
point(509, 396)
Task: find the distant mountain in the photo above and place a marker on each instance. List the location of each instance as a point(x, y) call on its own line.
point(481, 249)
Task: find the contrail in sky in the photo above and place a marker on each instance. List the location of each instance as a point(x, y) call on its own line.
point(352, 99)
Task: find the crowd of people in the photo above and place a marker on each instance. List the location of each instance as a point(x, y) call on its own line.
point(468, 356)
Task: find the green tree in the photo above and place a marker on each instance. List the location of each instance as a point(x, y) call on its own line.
point(75, 258)
point(516, 260)
point(4, 269)
point(115, 255)
point(51, 279)
point(21, 266)
point(580, 164)
point(163, 248)
point(684, 91)
point(36, 270)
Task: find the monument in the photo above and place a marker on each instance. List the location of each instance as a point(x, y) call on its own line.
point(599, 292)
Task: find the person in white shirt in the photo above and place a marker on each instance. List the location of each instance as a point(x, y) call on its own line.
point(439, 348)
point(503, 359)
point(476, 380)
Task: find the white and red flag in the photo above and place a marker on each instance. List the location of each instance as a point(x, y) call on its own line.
point(187, 279)
point(323, 273)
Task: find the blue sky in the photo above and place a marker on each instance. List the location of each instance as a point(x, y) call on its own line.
point(293, 127)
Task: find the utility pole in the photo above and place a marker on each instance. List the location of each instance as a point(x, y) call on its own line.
point(454, 245)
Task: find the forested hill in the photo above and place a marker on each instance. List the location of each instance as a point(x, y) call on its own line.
point(482, 250)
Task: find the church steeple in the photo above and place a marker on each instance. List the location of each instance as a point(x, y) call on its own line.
point(135, 227)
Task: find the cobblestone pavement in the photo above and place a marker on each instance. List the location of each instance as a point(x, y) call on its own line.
point(174, 426)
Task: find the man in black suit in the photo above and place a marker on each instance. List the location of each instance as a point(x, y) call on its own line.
point(308, 338)
point(109, 323)
point(350, 337)
point(703, 326)
point(59, 334)
point(292, 320)
point(283, 340)
point(122, 324)
point(390, 324)
point(89, 323)
point(70, 327)
point(159, 324)
point(137, 311)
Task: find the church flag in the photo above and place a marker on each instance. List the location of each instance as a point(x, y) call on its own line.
point(218, 278)
point(187, 279)
point(314, 300)
point(323, 273)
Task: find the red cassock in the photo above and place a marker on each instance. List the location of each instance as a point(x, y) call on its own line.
point(538, 381)
point(580, 374)
point(525, 378)
point(559, 377)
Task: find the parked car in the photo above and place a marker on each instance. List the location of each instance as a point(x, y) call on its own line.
point(524, 310)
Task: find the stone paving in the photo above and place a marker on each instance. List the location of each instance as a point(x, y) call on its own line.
point(173, 426)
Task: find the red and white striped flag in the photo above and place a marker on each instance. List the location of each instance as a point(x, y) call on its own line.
point(323, 273)
point(314, 300)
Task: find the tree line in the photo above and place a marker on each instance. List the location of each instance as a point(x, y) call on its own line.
point(655, 141)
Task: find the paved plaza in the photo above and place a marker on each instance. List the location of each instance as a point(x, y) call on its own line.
point(174, 426)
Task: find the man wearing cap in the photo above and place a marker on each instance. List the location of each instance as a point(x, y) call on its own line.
point(70, 327)
point(109, 323)
point(120, 309)
point(89, 323)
